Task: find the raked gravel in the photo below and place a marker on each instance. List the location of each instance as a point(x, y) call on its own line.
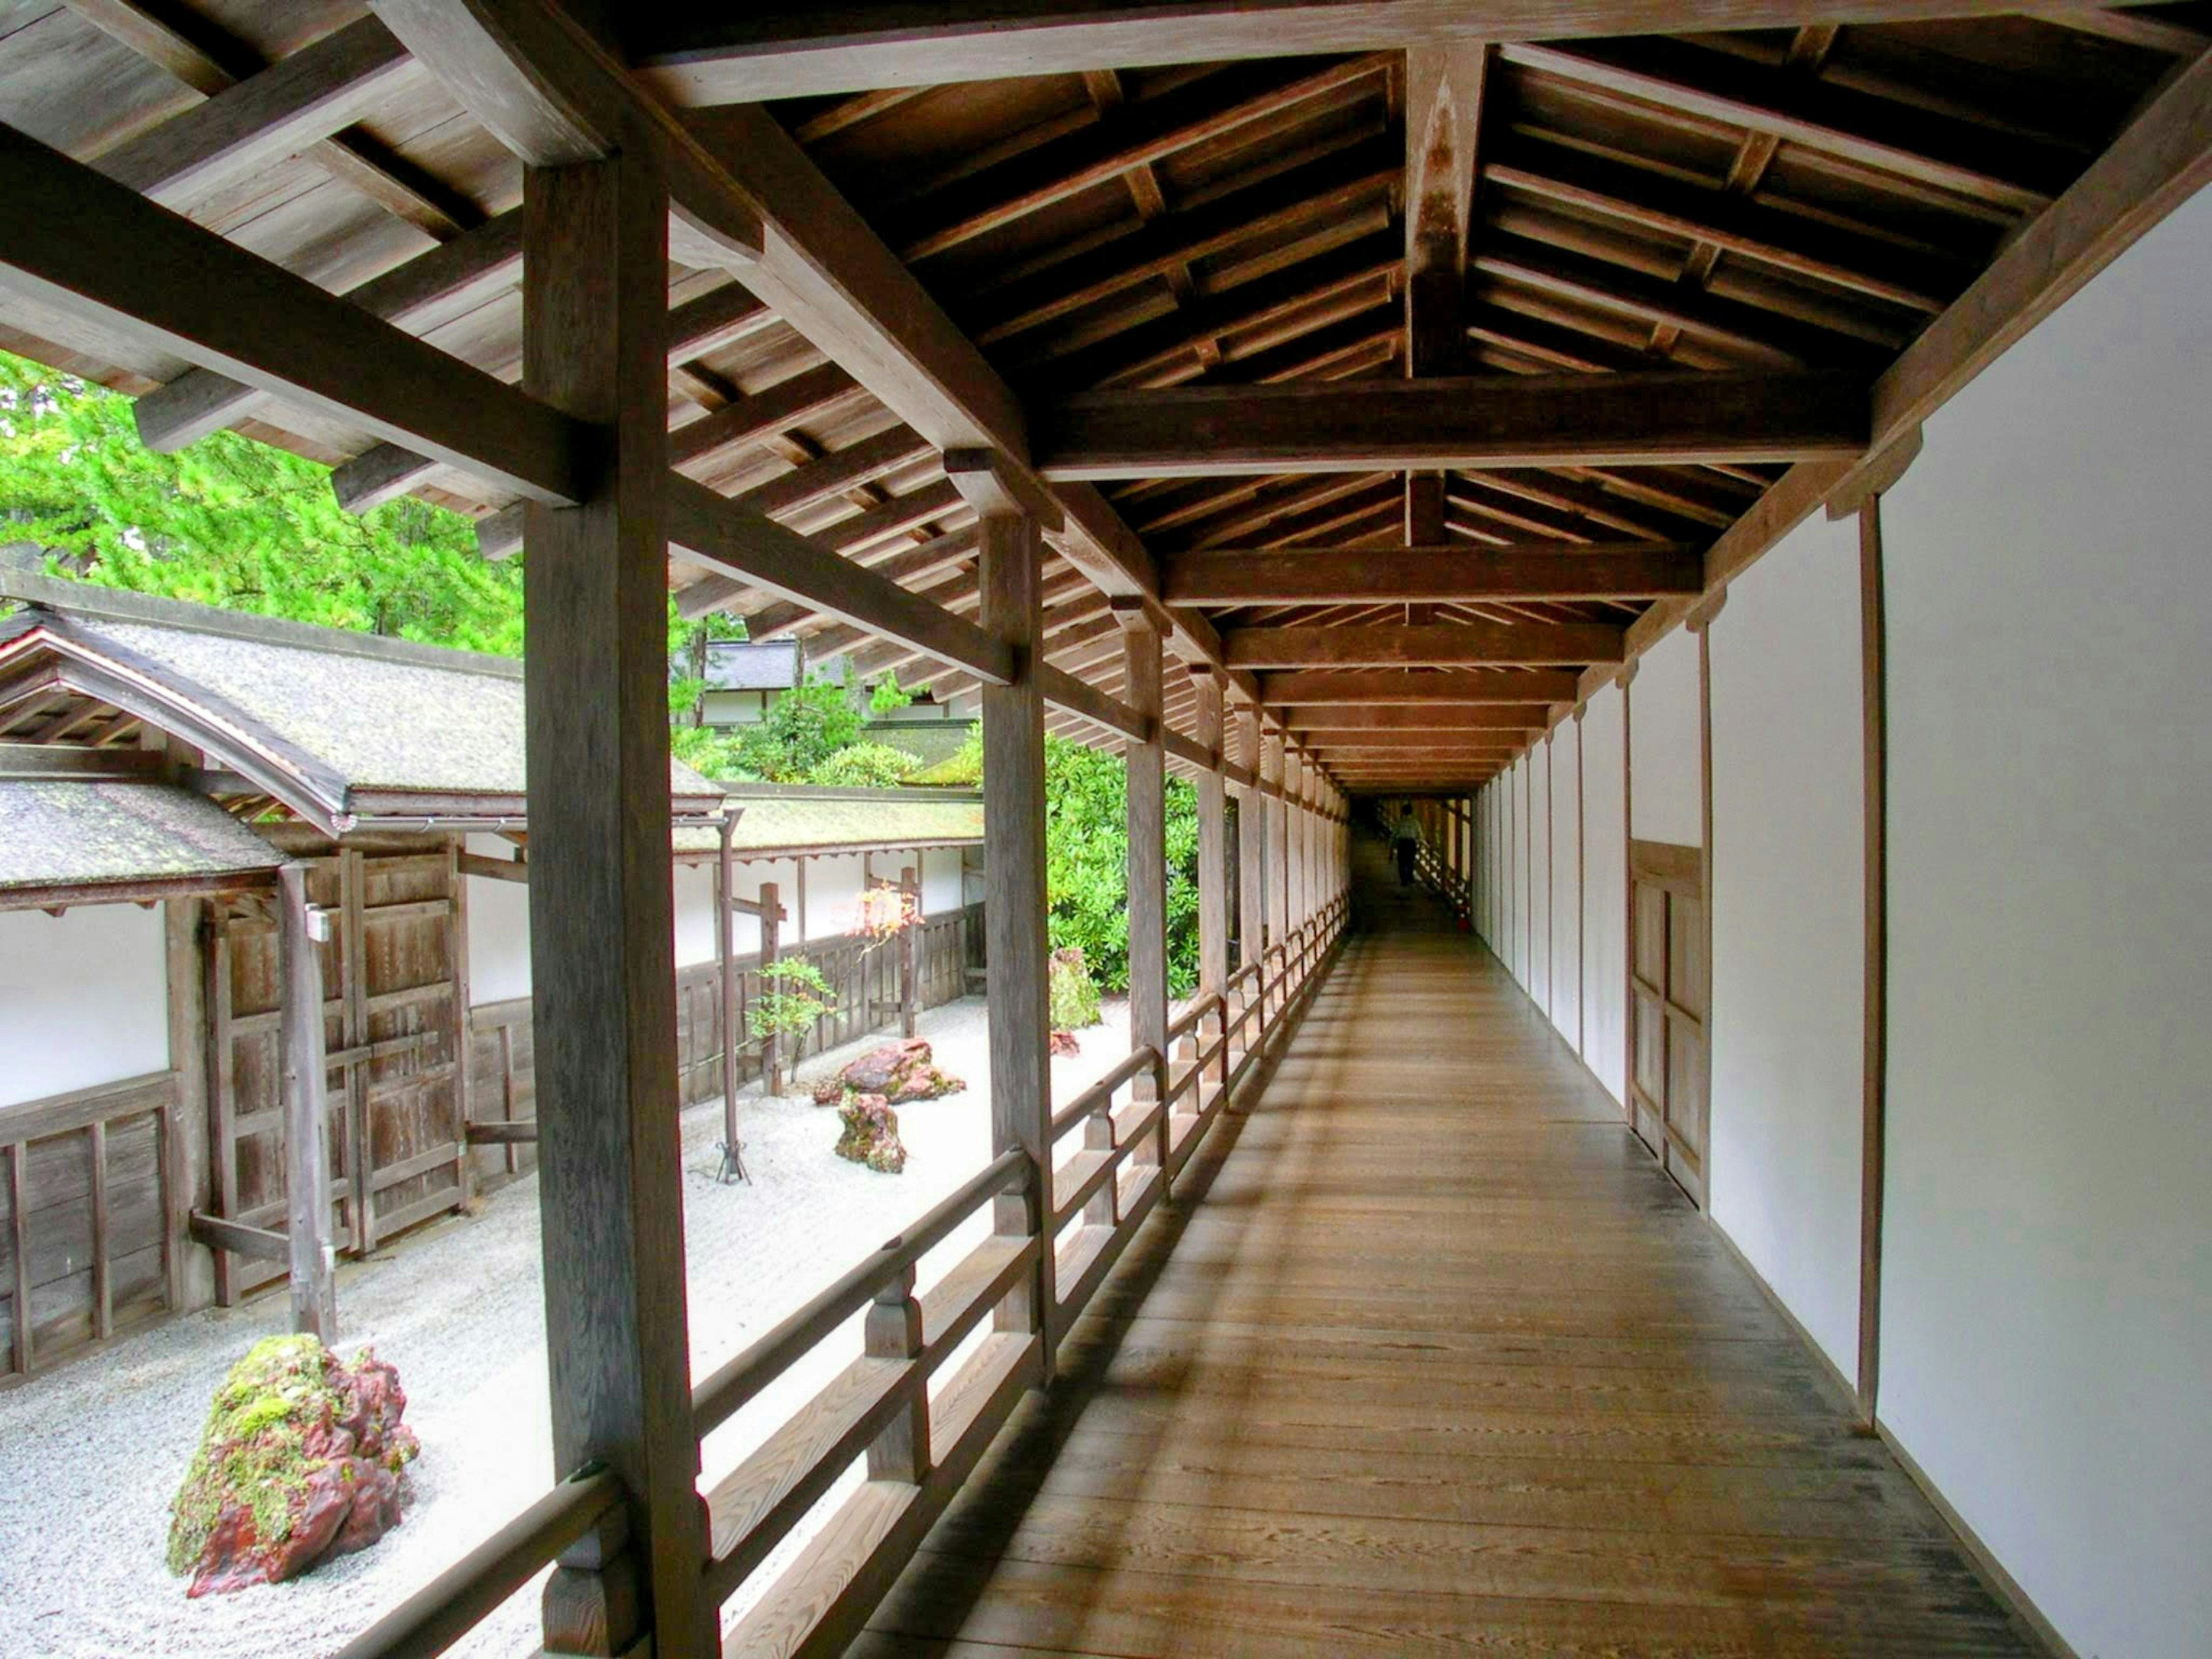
point(91, 1454)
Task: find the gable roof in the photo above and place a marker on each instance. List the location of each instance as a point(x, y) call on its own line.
point(61, 835)
point(341, 727)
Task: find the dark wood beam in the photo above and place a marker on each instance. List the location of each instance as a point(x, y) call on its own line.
point(1393, 426)
point(737, 540)
point(432, 289)
point(1446, 574)
point(1393, 688)
point(730, 55)
point(1326, 721)
point(81, 244)
point(1333, 744)
point(1457, 644)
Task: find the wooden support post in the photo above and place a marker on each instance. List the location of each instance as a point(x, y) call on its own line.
point(1270, 775)
point(1251, 843)
point(1874, 658)
point(771, 951)
point(910, 892)
point(602, 911)
point(726, 873)
point(307, 1153)
point(1146, 765)
point(353, 1032)
point(1213, 837)
point(457, 962)
point(1016, 948)
point(893, 1331)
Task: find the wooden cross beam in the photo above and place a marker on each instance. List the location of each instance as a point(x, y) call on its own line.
point(1390, 687)
point(1320, 724)
point(1455, 573)
point(1377, 646)
point(1369, 426)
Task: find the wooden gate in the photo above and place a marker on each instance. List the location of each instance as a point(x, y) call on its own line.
point(391, 1025)
point(1669, 981)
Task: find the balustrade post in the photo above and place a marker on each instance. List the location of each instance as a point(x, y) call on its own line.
point(893, 1331)
point(595, 694)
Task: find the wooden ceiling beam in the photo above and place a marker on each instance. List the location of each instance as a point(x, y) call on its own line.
point(1132, 135)
point(1945, 152)
point(1437, 644)
point(1393, 426)
point(1331, 187)
point(704, 55)
point(1444, 574)
point(1319, 722)
point(1394, 687)
point(80, 244)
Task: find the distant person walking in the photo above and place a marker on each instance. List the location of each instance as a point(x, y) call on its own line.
point(1406, 838)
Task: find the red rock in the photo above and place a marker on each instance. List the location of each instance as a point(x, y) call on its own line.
point(899, 1071)
point(1064, 1044)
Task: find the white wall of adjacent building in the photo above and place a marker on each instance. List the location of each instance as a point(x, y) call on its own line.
point(84, 999)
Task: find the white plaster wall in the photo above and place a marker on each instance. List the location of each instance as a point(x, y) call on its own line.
point(1666, 789)
point(940, 880)
point(2047, 1285)
point(499, 930)
point(833, 891)
point(1789, 926)
point(84, 999)
point(1605, 894)
point(1518, 923)
point(693, 897)
point(1566, 880)
point(1539, 875)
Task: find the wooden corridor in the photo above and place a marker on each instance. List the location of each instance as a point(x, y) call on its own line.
point(1431, 1357)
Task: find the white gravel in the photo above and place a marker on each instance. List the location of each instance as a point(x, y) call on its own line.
point(91, 1454)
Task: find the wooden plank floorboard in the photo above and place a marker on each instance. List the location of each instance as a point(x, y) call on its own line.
point(1429, 1356)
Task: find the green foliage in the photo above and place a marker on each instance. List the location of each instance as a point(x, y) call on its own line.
point(803, 727)
point(961, 770)
point(234, 523)
point(888, 695)
point(865, 766)
point(712, 751)
point(1087, 865)
point(794, 995)
point(1070, 994)
point(687, 661)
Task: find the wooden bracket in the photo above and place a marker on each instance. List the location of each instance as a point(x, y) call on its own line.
point(997, 487)
point(1876, 474)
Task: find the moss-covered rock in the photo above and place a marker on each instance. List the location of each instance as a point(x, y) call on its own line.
point(899, 1071)
point(871, 1134)
point(302, 1460)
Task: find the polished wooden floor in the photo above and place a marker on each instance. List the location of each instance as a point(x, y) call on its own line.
point(1437, 1361)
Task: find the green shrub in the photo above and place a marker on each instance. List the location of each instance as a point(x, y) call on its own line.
point(794, 995)
point(961, 770)
point(866, 765)
point(803, 727)
point(1072, 995)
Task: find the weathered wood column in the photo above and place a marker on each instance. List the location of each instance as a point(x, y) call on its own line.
point(1147, 818)
point(1015, 941)
point(595, 249)
point(1271, 774)
point(1212, 837)
point(307, 1148)
point(1251, 843)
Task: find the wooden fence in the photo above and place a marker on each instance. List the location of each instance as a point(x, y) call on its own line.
point(1129, 1136)
point(501, 1057)
point(91, 1217)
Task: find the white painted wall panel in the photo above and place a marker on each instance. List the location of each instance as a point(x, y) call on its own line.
point(1605, 894)
point(2047, 1291)
point(695, 914)
point(940, 880)
point(84, 999)
point(1539, 875)
point(1667, 781)
point(1566, 881)
point(1788, 926)
point(1520, 922)
point(499, 930)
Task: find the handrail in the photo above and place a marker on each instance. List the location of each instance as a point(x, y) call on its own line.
point(717, 1399)
point(1145, 1059)
point(454, 1602)
point(1186, 1021)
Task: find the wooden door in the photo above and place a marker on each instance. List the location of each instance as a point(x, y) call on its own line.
point(1669, 981)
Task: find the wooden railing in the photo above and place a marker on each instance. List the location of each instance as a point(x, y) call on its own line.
point(1447, 884)
point(1140, 1124)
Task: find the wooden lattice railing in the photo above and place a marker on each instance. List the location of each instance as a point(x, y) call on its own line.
point(1140, 1127)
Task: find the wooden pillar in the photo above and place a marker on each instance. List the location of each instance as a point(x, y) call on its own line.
point(1147, 821)
point(1251, 843)
point(771, 950)
point(1015, 941)
point(726, 873)
point(1278, 843)
point(595, 248)
point(1874, 671)
point(1213, 837)
point(307, 1152)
